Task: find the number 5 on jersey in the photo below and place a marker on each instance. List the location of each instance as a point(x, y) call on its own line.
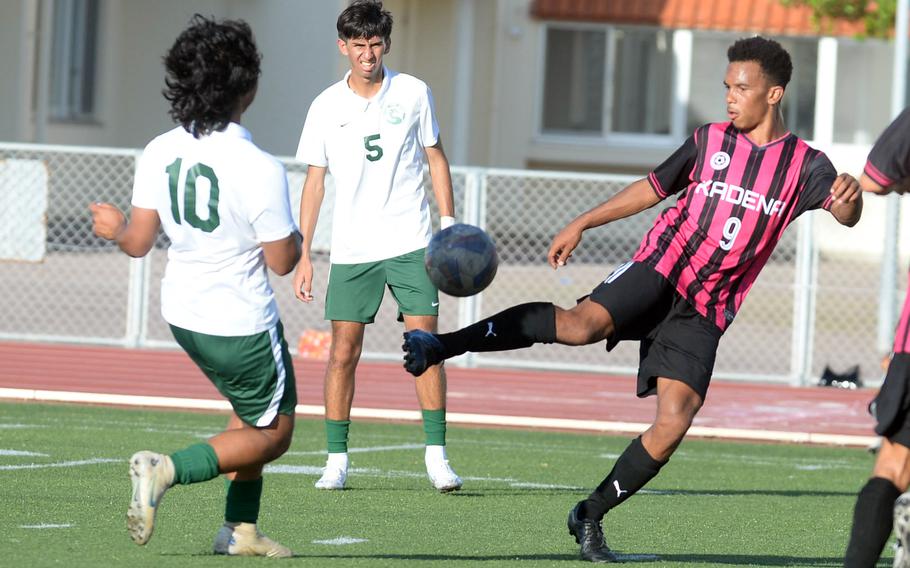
point(189, 195)
point(374, 151)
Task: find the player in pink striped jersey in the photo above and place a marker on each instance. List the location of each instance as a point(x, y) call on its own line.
point(880, 502)
point(738, 185)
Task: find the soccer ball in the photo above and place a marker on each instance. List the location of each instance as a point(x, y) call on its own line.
point(461, 260)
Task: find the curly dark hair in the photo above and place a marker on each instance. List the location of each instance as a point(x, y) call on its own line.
point(771, 56)
point(364, 19)
point(209, 68)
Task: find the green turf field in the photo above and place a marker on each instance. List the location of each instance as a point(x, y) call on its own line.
point(64, 491)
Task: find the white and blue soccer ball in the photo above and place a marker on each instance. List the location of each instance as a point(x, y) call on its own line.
point(461, 260)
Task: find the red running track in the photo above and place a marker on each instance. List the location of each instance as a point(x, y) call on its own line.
point(580, 396)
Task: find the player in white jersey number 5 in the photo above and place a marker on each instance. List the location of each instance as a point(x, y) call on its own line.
point(224, 205)
point(374, 131)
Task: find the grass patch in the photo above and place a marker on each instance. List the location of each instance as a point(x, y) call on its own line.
point(64, 490)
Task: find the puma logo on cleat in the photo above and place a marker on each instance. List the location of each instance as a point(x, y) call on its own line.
point(490, 330)
point(619, 491)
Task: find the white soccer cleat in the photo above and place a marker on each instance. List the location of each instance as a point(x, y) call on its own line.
point(244, 539)
point(334, 473)
point(442, 477)
point(151, 475)
point(902, 531)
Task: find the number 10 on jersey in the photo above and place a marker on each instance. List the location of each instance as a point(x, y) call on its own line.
point(189, 195)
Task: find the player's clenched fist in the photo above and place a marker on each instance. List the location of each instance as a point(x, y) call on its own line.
point(845, 189)
point(107, 221)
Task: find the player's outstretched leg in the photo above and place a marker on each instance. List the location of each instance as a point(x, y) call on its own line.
point(244, 539)
point(590, 535)
point(514, 328)
point(151, 475)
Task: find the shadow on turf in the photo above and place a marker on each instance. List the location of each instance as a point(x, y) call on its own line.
point(580, 493)
point(732, 492)
point(716, 559)
point(751, 560)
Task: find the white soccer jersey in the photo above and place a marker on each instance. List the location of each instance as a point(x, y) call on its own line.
point(218, 197)
point(374, 150)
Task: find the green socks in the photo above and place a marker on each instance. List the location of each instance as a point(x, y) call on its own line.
point(434, 426)
point(242, 503)
point(195, 464)
point(336, 433)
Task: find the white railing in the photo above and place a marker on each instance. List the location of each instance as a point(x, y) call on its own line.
point(809, 308)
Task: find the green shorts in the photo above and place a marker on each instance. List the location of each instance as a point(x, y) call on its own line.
point(253, 372)
point(355, 290)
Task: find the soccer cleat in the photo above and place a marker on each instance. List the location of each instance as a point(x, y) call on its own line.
point(902, 531)
point(244, 539)
point(151, 475)
point(590, 535)
point(333, 477)
point(422, 350)
point(442, 477)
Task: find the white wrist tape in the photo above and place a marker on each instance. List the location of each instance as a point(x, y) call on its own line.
point(446, 222)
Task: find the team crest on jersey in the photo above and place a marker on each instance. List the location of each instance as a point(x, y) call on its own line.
point(720, 160)
point(394, 114)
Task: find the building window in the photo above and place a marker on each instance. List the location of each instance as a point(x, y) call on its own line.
point(607, 80)
point(73, 60)
point(862, 101)
point(642, 81)
point(574, 81)
point(798, 107)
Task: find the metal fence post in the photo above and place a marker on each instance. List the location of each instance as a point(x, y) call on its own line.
point(803, 302)
point(137, 295)
point(137, 302)
point(469, 307)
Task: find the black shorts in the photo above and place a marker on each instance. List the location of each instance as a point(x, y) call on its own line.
point(891, 407)
point(676, 341)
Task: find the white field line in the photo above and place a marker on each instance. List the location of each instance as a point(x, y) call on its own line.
point(74, 463)
point(374, 472)
point(21, 453)
point(451, 417)
point(341, 541)
point(47, 526)
point(361, 450)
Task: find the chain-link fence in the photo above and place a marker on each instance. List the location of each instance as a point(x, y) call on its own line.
point(810, 307)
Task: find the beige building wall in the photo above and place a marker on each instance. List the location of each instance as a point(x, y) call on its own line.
point(296, 38)
point(12, 45)
point(425, 44)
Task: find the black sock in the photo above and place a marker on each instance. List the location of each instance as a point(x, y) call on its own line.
point(872, 520)
point(634, 468)
point(514, 328)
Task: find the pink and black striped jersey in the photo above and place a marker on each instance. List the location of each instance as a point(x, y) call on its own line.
point(735, 200)
point(889, 160)
point(888, 163)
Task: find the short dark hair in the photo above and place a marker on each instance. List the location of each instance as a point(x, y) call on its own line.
point(364, 19)
point(771, 56)
point(209, 68)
